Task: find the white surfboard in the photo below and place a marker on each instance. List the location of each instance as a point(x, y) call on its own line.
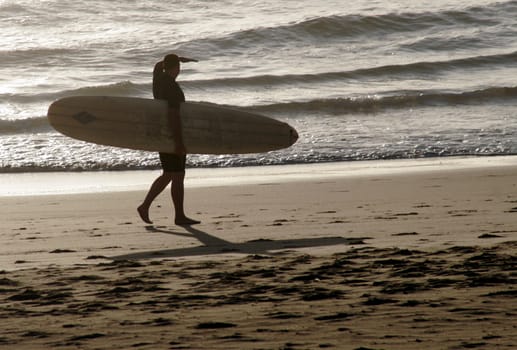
point(142, 124)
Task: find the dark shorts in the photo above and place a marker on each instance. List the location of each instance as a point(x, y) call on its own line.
point(173, 162)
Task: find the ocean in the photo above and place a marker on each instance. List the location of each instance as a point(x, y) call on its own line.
point(359, 80)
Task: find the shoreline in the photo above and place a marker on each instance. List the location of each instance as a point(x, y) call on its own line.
point(55, 183)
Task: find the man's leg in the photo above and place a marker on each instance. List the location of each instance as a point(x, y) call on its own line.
point(178, 195)
point(156, 188)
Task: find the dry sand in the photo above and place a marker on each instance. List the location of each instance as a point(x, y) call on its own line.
point(401, 260)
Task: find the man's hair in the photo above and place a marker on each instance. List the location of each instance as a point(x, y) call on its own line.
point(171, 61)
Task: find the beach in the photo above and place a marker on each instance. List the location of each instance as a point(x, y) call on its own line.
point(389, 224)
point(386, 255)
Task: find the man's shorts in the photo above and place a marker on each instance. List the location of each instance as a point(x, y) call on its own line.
point(173, 162)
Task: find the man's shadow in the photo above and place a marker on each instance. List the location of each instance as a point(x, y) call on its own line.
point(213, 245)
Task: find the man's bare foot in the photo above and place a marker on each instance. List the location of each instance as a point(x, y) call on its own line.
point(185, 221)
point(144, 214)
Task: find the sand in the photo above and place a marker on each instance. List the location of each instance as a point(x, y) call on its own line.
point(415, 257)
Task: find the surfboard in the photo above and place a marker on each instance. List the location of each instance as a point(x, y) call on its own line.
point(142, 124)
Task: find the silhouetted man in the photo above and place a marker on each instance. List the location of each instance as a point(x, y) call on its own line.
point(166, 88)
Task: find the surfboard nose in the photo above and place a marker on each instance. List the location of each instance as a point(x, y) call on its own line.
point(293, 135)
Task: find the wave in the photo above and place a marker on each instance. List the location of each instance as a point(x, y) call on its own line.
point(44, 54)
point(416, 69)
point(24, 126)
point(124, 88)
point(403, 99)
point(336, 106)
point(40, 123)
point(342, 27)
point(9, 9)
point(399, 71)
point(434, 67)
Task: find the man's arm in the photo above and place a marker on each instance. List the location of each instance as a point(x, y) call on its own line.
point(177, 134)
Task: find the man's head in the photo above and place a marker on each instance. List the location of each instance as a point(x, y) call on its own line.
point(171, 64)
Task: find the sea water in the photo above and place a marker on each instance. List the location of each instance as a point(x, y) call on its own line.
point(359, 80)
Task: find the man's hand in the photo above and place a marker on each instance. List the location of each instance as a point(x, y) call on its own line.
point(186, 59)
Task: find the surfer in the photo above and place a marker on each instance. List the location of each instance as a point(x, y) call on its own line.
point(166, 88)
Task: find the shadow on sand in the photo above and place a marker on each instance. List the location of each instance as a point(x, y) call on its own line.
point(213, 245)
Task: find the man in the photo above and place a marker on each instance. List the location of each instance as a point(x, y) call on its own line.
point(166, 88)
